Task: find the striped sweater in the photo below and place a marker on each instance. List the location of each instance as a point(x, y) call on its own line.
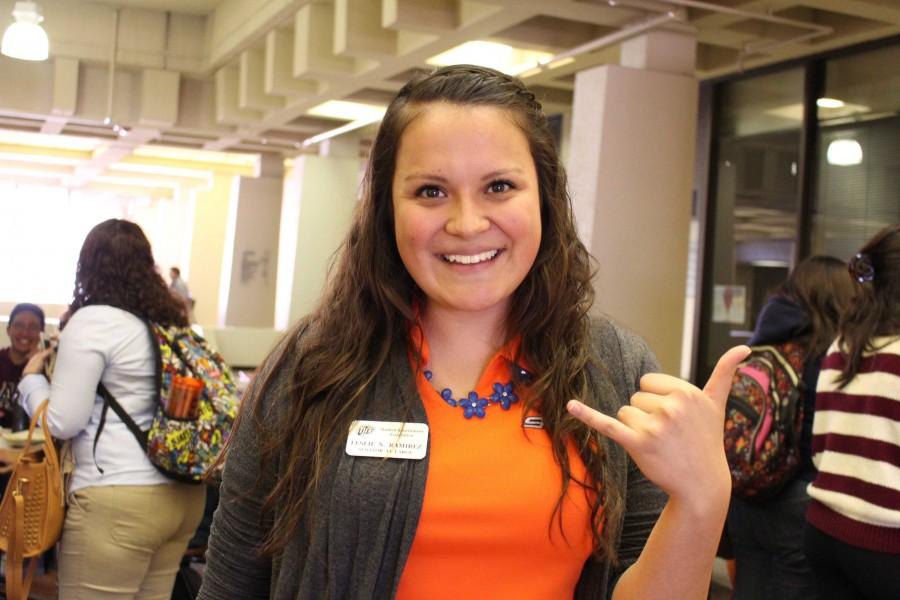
point(856, 448)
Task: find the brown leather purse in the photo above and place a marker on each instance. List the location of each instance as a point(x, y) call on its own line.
point(33, 508)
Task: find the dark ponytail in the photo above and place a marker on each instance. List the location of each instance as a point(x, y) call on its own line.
point(875, 310)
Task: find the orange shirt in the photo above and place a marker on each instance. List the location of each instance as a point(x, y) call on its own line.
point(485, 530)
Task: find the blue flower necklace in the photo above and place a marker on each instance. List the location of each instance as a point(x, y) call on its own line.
point(473, 405)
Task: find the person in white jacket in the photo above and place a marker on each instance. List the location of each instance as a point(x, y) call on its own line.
point(127, 525)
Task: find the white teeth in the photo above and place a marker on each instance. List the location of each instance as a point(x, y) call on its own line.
point(470, 259)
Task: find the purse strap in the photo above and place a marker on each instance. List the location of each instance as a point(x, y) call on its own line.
point(40, 416)
point(16, 588)
point(16, 541)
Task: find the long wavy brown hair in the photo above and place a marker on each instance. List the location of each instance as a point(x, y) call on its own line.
point(875, 310)
point(366, 311)
point(116, 267)
point(821, 286)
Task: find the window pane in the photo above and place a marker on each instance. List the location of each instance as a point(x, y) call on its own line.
point(42, 229)
point(858, 177)
point(756, 201)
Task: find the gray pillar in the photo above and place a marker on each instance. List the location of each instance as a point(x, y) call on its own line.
point(631, 172)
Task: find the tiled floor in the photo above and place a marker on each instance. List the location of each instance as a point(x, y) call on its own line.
point(721, 586)
point(719, 593)
point(44, 588)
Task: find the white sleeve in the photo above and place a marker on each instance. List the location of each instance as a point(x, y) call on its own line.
point(80, 361)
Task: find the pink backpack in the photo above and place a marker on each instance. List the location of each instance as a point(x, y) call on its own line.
point(764, 420)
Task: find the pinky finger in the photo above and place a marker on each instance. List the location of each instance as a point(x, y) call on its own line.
point(608, 426)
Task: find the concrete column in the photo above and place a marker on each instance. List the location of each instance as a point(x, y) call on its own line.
point(320, 193)
point(250, 299)
point(631, 161)
point(208, 247)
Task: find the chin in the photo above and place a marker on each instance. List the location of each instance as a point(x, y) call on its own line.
point(479, 304)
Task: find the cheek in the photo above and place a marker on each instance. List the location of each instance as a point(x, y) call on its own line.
point(527, 229)
point(411, 230)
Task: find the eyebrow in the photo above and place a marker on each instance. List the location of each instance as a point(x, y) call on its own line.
point(442, 179)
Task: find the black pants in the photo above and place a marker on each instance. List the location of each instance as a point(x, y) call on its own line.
point(845, 572)
point(767, 541)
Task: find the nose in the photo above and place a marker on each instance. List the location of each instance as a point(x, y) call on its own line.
point(467, 217)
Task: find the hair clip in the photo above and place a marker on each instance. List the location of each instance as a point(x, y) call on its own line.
point(861, 268)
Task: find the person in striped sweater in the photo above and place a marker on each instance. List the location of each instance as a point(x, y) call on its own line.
point(852, 538)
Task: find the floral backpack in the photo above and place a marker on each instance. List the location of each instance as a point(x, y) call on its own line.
point(764, 421)
point(183, 446)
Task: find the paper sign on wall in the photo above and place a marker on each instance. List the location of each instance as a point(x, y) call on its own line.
point(729, 303)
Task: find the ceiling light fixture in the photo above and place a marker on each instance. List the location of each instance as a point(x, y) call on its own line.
point(351, 126)
point(502, 57)
point(357, 113)
point(26, 39)
point(844, 153)
point(346, 110)
point(829, 103)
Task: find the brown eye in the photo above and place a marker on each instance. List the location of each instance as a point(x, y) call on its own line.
point(499, 187)
point(429, 191)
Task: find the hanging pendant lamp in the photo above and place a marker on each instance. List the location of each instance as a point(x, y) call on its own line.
point(26, 39)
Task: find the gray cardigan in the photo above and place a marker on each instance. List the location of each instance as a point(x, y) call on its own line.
point(369, 507)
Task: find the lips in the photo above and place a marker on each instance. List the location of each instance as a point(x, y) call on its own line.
point(471, 259)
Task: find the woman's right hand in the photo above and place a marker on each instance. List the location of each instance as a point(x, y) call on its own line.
point(673, 431)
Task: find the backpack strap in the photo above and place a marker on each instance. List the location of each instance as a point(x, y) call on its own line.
point(783, 359)
point(157, 359)
point(154, 346)
point(109, 401)
point(184, 362)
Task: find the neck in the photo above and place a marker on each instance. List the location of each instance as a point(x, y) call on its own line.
point(461, 343)
point(17, 358)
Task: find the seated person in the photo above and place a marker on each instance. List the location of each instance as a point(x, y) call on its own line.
point(26, 324)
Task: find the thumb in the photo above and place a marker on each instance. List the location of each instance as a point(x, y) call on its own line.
point(719, 383)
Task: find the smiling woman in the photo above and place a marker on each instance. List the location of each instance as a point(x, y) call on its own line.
point(456, 320)
point(466, 205)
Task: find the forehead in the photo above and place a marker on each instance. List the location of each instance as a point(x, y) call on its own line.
point(26, 316)
point(440, 130)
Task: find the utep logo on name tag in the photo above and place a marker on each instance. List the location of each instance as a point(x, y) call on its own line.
point(388, 439)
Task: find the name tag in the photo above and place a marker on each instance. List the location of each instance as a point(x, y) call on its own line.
point(388, 439)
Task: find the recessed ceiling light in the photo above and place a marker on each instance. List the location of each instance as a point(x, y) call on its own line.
point(347, 111)
point(829, 103)
point(43, 140)
point(192, 157)
point(502, 57)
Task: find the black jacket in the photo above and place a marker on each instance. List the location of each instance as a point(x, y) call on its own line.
point(782, 321)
